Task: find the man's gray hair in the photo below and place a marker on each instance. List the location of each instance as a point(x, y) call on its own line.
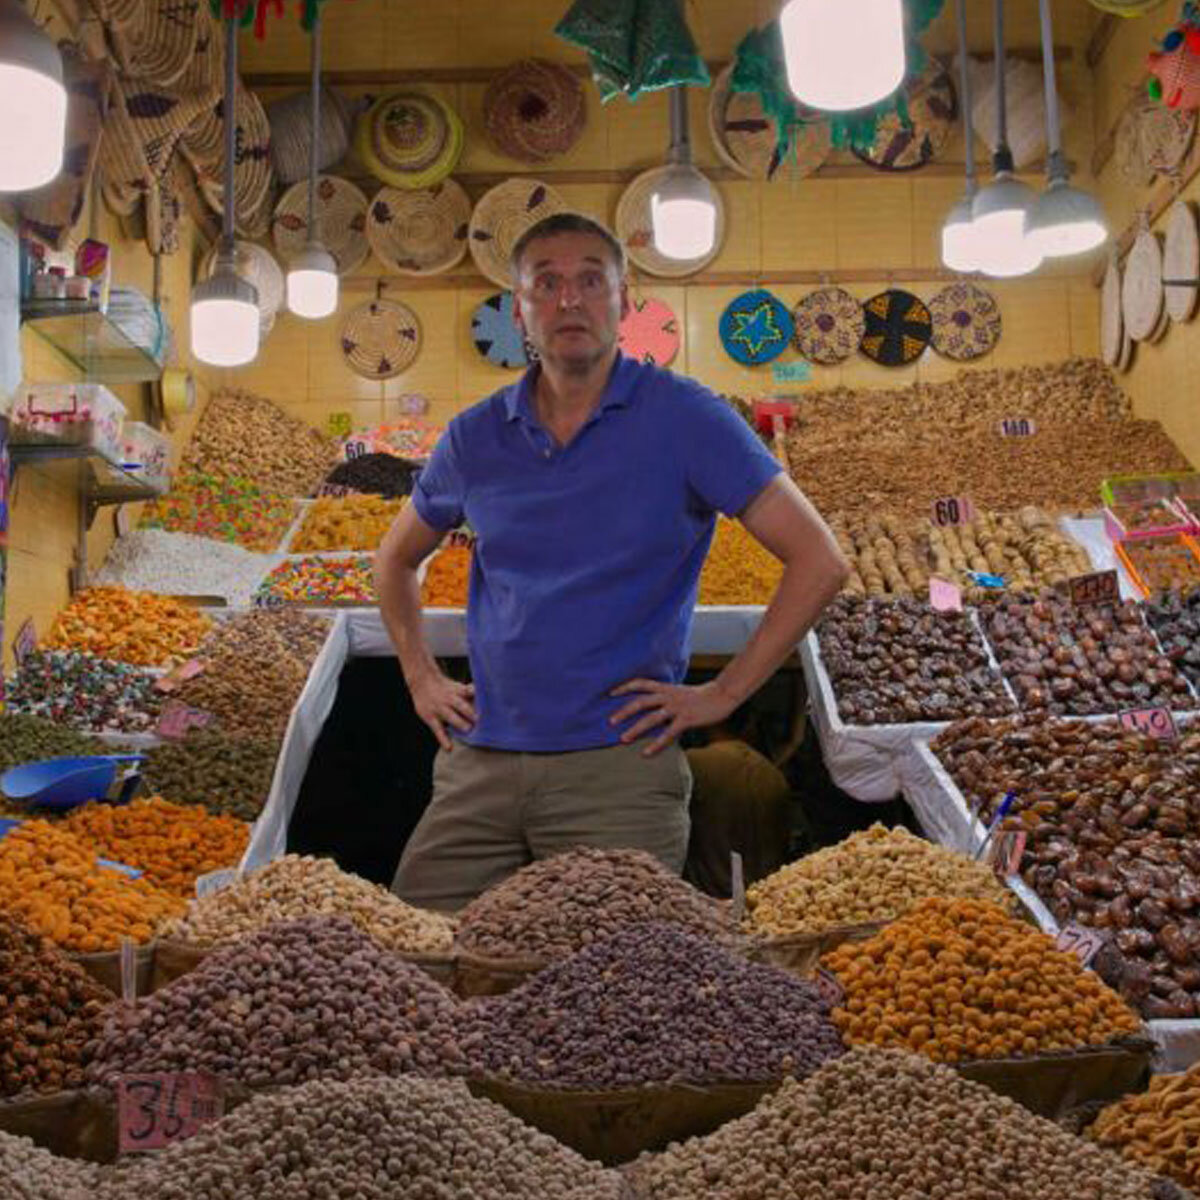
point(566, 222)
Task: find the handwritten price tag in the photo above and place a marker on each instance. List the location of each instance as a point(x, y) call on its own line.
point(944, 596)
point(335, 489)
point(1154, 722)
point(1017, 427)
point(831, 992)
point(25, 643)
point(1085, 944)
point(156, 1109)
point(953, 510)
point(1100, 587)
point(176, 719)
point(357, 447)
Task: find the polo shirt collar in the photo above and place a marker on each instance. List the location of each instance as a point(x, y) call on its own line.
point(618, 392)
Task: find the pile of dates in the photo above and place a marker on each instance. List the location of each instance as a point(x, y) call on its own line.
point(899, 661)
point(1175, 617)
point(1113, 825)
point(1080, 661)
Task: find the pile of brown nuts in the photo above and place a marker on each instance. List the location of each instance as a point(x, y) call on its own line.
point(1079, 661)
point(308, 999)
point(885, 1125)
point(651, 1004)
point(901, 661)
point(1113, 826)
point(28, 1172)
point(50, 1009)
point(224, 774)
point(558, 905)
point(1175, 617)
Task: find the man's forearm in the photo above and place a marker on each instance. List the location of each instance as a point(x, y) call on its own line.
point(400, 606)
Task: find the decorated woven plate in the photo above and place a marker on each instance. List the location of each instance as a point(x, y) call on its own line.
point(898, 328)
point(380, 338)
point(419, 232)
point(495, 333)
point(1112, 323)
point(1181, 260)
point(499, 219)
point(340, 210)
point(1166, 136)
point(829, 325)
point(755, 328)
point(1141, 289)
point(636, 231)
point(650, 333)
point(966, 322)
point(932, 110)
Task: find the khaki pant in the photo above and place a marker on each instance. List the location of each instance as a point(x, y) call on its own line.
point(495, 811)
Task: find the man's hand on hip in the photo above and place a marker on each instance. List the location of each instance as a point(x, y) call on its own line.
point(678, 706)
point(441, 701)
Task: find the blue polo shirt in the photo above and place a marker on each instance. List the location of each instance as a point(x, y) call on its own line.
point(588, 555)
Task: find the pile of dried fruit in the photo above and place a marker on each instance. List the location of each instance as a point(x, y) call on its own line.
point(375, 474)
point(345, 523)
point(316, 581)
point(446, 578)
point(738, 569)
point(1175, 617)
point(225, 774)
point(223, 509)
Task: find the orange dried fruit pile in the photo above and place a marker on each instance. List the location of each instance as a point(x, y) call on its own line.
point(738, 570)
point(445, 584)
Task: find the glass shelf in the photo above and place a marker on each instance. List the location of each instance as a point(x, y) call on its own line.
point(102, 481)
point(95, 345)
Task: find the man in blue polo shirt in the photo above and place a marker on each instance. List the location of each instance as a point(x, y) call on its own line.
point(592, 486)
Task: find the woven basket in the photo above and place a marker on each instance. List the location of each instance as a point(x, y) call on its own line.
point(380, 339)
point(1141, 289)
point(1127, 146)
point(635, 230)
point(158, 48)
point(253, 175)
point(291, 133)
point(534, 111)
point(256, 265)
point(829, 325)
point(419, 232)
point(1025, 105)
point(340, 210)
point(966, 322)
point(501, 216)
point(409, 140)
point(205, 73)
point(932, 106)
point(1181, 260)
point(1112, 322)
point(1165, 136)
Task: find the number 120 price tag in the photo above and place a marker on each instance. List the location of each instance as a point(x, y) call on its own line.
point(156, 1109)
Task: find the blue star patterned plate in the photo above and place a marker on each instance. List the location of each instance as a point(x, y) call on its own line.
point(755, 328)
point(496, 335)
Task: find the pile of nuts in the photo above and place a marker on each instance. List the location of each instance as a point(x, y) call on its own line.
point(229, 775)
point(29, 1172)
point(300, 1000)
point(372, 1139)
point(1164, 563)
point(50, 1008)
point(1113, 826)
point(738, 569)
point(246, 436)
point(375, 474)
point(296, 886)
point(132, 627)
point(1075, 660)
point(315, 581)
point(26, 739)
point(650, 1005)
point(901, 661)
point(1175, 617)
point(345, 523)
point(1158, 1128)
point(560, 904)
point(223, 509)
point(172, 844)
point(447, 576)
point(880, 1125)
point(84, 691)
point(877, 874)
point(52, 881)
point(960, 979)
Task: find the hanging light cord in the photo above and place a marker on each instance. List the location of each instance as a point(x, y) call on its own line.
point(227, 236)
point(965, 94)
point(1053, 128)
point(315, 146)
point(1003, 155)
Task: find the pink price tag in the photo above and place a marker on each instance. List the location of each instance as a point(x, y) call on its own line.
point(1154, 722)
point(158, 1108)
point(176, 719)
point(1100, 587)
point(944, 595)
point(189, 669)
point(953, 510)
point(1084, 943)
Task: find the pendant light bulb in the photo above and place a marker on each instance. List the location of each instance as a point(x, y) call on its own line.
point(312, 283)
point(958, 238)
point(683, 205)
point(33, 100)
point(843, 54)
point(998, 228)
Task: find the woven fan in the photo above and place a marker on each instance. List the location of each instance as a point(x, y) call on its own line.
point(380, 339)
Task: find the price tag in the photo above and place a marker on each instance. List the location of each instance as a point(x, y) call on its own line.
point(335, 489)
point(356, 448)
point(25, 643)
point(185, 671)
point(215, 881)
point(831, 992)
point(953, 510)
point(461, 537)
point(944, 596)
point(1017, 427)
point(793, 372)
point(1100, 587)
point(737, 887)
point(1154, 722)
point(268, 600)
point(1007, 851)
point(176, 719)
point(158, 1108)
point(1084, 943)
point(340, 424)
point(123, 868)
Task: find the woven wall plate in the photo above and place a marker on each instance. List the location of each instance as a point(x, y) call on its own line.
point(1127, 145)
point(419, 232)
point(257, 265)
point(829, 325)
point(755, 328)
point(495, 334)
point(1181, 260)
point(966, 322)
point(534, 110)
point(898, 328)
point(501, 216)
point(1112, 323)
point(932, 111)
point(340, 210)
point(409, 139)
point(634, 228)
point(380, 339)
point(650, 333)
point(158, 48)
point(1141, 288)
point(1166, 136)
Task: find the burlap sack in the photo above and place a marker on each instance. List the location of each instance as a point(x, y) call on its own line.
point(801, 953)
point(480, 975)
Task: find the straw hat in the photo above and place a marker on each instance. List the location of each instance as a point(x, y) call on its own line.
point(495, 334)
point(1181, 260)
point(534, 111)
point(155, 42)
point(422, 232)
point(650, 333)
point(380, 339)
point(291, 133)
point(409, 140)
point(635, 230)
point(829, 325)
point(499, 219)
point(898, 328)
point(932, 106)
point(256, 265)
point(340, 211)
point(966, 322)
point(745, 138)
point(755, 328)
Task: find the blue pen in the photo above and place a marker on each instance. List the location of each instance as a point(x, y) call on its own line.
point(1001, 813)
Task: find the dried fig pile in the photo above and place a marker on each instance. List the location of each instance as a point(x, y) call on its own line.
point(1175, 617)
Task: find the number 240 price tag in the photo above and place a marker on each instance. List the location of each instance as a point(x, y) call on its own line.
point(158, 1108)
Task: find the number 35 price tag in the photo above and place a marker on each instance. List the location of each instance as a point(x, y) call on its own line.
point(156, 1109)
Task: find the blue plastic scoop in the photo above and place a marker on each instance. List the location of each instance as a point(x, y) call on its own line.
point(68, 782)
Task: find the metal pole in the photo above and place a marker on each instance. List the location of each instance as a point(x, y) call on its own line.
point(964, 89)
point(315, 146)
point(227, 235)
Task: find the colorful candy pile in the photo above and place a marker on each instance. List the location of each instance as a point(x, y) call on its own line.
point(84, 692)
point(131, 627)
point(410, 437)
point(446, 578)
point(227, 510)
point(345, 523)
point(738, 570)
point(313, 580)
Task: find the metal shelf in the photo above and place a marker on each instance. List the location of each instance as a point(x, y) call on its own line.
point(102, 481)
point(93, 343)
